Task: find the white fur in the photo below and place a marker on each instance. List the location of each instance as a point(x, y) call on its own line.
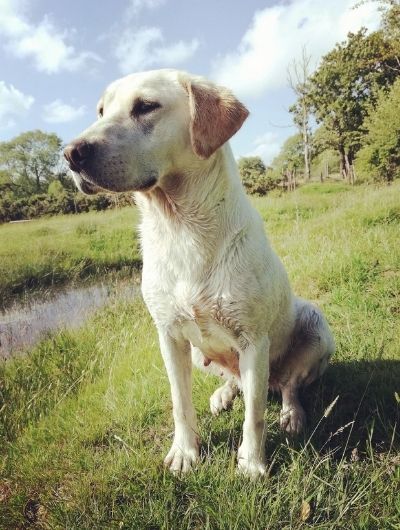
point(214, 287)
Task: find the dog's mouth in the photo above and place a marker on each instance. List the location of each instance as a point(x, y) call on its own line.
point(88, 188)
point(85, 186)
point(148, 184)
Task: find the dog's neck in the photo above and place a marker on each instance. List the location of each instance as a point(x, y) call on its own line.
point(205, 207)
point(193, 198)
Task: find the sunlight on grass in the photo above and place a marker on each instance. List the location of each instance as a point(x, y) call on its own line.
point(86, 416)
point(65, 248)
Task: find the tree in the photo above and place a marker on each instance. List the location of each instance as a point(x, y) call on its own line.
point(289, 160)
point(5, 180)
point(31, 159)
point(255, 176)
point(346, 86)
point(325, 158)
point(380, 154)
point(298, 77)
point(390, 23)
point(56, 189)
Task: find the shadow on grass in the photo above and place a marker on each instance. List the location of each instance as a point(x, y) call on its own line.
point(365, 416)
point(366, 412)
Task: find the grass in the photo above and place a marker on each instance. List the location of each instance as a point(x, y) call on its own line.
point(62, 249)
point(86, 416)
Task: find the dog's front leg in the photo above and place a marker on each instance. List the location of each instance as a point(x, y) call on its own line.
point(178, 363)
point(254, 373)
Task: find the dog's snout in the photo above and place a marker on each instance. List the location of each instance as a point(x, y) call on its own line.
point(78, 154)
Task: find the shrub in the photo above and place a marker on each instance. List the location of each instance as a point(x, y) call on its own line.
point(58, 202)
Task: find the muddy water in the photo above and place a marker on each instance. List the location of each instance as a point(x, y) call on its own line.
point(24, 324)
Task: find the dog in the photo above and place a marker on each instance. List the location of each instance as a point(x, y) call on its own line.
point(217, 292)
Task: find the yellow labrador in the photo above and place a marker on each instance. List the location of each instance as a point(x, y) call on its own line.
point(217, 292)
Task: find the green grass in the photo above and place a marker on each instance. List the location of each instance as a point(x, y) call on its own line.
point(61, 249)
point(86, 416)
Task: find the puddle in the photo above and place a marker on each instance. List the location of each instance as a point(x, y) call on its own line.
point(23, 325)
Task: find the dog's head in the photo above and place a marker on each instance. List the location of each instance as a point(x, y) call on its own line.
point(149, 125)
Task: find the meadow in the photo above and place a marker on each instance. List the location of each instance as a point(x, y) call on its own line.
point(85, 417)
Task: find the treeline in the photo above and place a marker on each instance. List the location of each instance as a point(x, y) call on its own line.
point(347, 113)
point(34, 181)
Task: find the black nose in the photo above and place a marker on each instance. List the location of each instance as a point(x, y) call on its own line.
point(78, 154)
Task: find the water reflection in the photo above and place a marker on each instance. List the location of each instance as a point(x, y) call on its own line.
point(23, 325)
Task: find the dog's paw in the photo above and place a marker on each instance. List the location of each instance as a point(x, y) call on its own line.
point(249, 464)
point(251, 468)
point(222, 398)
point(181, 459)
point(293, 420)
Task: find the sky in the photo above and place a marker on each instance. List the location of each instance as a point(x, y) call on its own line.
point(56, 58)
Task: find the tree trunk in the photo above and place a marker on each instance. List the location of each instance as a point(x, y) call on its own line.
point(306, 145)
point(352, 171)
point(289, 178)
point(343, 167)
point(299, 81)
point(349, 168)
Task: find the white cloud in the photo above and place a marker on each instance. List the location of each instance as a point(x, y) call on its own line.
point(59, 112)
point(277, 35)
point(13, 103)
point(266, 147)
point(135, 6)
point(146, 47)
point(45, 44)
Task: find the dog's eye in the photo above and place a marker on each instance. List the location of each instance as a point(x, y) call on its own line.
point(100, 112)
point(144, 107)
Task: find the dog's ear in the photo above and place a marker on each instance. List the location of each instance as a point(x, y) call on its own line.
point(215, 116)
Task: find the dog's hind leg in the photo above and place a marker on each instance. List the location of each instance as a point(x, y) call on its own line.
point(307, 358)
point(224, 396)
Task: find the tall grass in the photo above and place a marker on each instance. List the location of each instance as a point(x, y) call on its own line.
point(86, 416)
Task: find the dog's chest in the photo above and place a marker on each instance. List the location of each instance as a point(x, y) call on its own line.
point(204, 322)
point(183, 299)
point(186, 311)
point(217, 343)
point(206, 334)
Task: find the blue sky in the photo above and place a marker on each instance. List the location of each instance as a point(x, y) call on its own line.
point(57, 57)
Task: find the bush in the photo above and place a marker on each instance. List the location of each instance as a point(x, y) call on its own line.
point(260, 185)
point(12, 209)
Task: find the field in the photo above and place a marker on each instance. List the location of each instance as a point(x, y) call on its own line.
point(85, 417)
